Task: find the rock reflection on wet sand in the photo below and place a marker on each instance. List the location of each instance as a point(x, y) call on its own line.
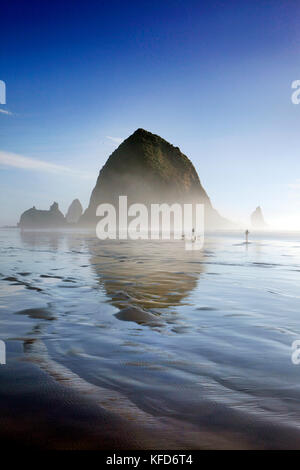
point(146, 345)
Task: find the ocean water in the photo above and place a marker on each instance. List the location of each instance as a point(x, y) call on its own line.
point(200, 337)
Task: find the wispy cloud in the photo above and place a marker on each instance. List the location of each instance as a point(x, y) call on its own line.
point(27, 163)
point(117, 140)
point(6, 111)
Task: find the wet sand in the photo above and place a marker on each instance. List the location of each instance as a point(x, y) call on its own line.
point(37, 412)
point(122, 346)
point(54, 410)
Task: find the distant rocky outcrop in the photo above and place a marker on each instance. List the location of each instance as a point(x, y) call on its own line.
point(148, 169)
point(257, 219)
point(34, 218)
point(74, 212)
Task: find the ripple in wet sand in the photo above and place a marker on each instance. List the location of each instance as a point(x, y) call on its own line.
point(39, 313)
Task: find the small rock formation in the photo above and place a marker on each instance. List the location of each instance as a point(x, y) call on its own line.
point(74, 212)
point(137, 315)
point(34, 218)
point(257, 219)
point(148, 169)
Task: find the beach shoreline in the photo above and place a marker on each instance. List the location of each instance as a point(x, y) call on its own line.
point(137, 346)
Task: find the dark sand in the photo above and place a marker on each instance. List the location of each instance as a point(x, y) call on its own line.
point(39, 411)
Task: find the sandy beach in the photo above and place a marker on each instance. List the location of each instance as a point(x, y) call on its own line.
point(42, 413)
point(108, 348)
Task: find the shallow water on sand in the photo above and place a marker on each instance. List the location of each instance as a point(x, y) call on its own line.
point(203, 337)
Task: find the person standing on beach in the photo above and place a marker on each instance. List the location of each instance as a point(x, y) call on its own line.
point(246, 234)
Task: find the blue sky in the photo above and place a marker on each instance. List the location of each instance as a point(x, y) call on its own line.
point(213, 78)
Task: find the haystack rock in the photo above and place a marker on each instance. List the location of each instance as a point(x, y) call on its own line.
point(257, 219)
point(34, 218)
point(148, 169)
point(74, 212)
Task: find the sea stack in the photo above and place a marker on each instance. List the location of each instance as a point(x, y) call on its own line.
point(74, 212)
point(257, 219)
point(148, 169)
point(34, 218)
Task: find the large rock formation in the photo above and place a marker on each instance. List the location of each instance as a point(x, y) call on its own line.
point(147, 169)
point(257, 219)
point(34, 218)
point(74, 212)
